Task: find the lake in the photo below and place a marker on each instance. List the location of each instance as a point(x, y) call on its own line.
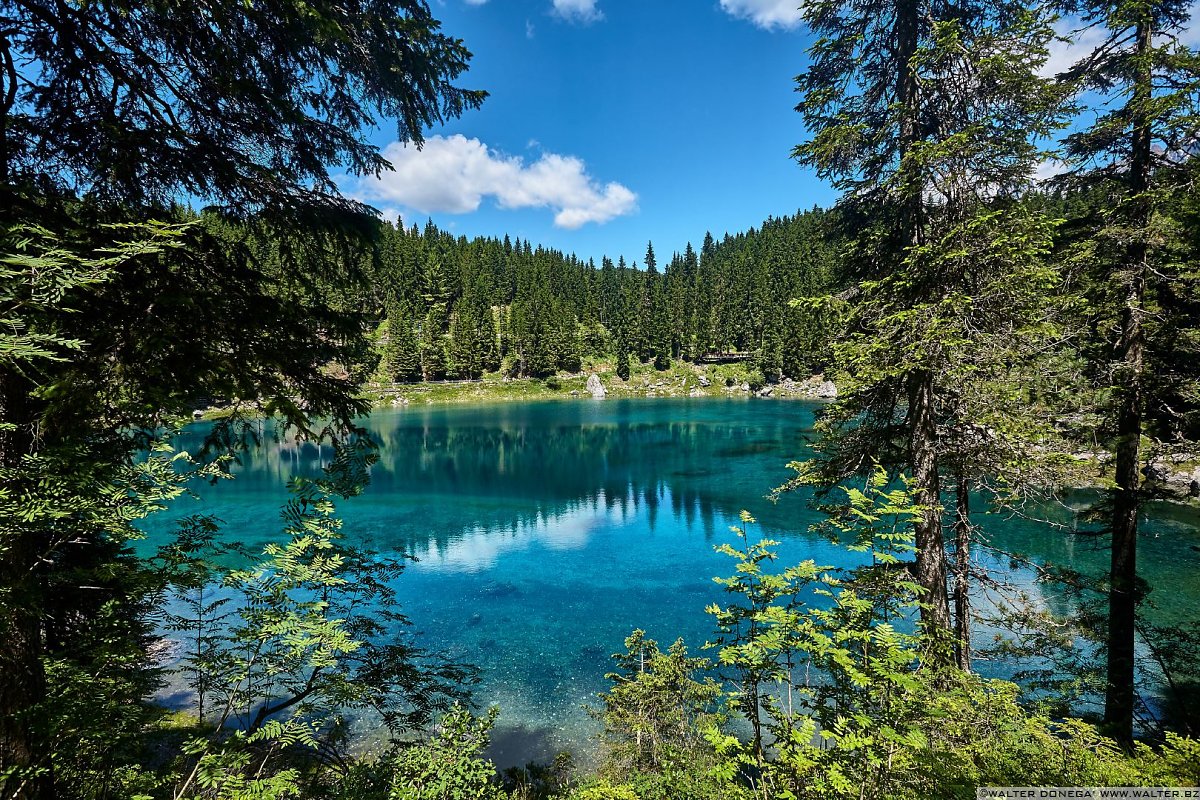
point(545, 532)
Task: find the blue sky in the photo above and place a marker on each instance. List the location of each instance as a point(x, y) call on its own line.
point(611, 123)
point(615, 122)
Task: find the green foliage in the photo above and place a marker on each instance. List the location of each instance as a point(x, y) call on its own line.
point(656, 712)
point(312, 631)
point(623, 364)
point(450, 765)
point(122, 106)
point(401, 360)
point(855, 699)
point(550, 311)
point(604, 791)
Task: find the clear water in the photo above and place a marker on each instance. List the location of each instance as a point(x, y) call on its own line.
point(546, 532)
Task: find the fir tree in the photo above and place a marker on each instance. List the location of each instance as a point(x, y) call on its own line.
point(433, 347)
point(401, 355)
point(924, 114)
point(1142, 148)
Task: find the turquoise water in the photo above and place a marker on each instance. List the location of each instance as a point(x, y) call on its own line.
point(545, 532)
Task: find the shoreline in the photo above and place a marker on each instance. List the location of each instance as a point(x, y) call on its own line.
point(1174, 478)
point(682, 379)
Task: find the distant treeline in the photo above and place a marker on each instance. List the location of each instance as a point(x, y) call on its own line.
point(457, 307)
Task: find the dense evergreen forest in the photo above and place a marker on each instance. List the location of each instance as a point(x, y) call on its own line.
point(983, 329)
point(459, 309)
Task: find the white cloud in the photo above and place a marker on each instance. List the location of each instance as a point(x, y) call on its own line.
point(528, 29)
point(1080, 41)
point(1075, 44)
point(1047, 169)
point(475, 2)
point(577, 10)
point(1190, 35)
point(767, 14)
point(453, 174)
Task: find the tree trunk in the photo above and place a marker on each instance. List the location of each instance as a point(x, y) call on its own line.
point(962, 575)
point(922, 427)
point(931, 550)
point(23, 748)
point(1123, 592)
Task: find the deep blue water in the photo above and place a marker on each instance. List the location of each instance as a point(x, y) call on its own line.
point(546, 532)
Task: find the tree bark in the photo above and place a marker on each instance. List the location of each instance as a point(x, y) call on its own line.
point(962, 575)
point(930, 570)
point(1123, 591)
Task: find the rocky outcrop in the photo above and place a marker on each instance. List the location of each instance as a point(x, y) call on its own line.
point(816, 388)
point(1178, 474)
point(595, 386)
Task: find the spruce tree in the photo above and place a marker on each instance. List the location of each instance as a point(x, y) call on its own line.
point(111, 112)
point(465, 360)
point(433, 347)
point(1141, 149)
point(623, 362)
point(401, 355)
point(923, 114)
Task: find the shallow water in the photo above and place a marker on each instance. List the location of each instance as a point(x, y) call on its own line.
point(546, 532)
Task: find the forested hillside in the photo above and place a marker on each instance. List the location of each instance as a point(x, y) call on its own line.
point(458, 308)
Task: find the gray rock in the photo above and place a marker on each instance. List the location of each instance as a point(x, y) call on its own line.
point(1174, 475)
point(745, 387)
point(766, 391)
point(596, 387)
point(704, 381)
point(695, 392)
point(827, 390)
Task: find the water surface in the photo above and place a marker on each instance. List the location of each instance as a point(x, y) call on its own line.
point(545, 532)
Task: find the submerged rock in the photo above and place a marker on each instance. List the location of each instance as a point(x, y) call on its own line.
point(595, 386)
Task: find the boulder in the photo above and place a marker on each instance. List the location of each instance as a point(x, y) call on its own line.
point(695, 392)
point(595, 386)
point(704, 381)
point(827, 390)
point(766, 391)
point(1180, 479)
point(745, 387)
